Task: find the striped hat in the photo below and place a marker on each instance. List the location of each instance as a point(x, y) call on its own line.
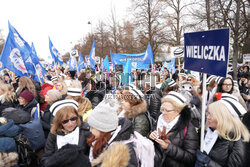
point(177, 97)
point(135, 91)
point(172, 83)
point(218, 79)
point(74, 92)
point(210, 78)
point(54, 78)
point(62, 103)
point(233, 105)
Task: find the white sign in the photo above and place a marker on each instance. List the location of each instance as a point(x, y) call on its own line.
point(74, 53)
point(246, 58)
point(97, 60)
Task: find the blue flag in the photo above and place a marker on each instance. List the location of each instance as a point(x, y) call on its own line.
point(14, 51)
point(40, 72)
point(106, 64)
point(170, 66)
point(126, 76)
point(92, 57)
point(72, 63)
point(148, 57)
point(56, 56)
point(81, 63)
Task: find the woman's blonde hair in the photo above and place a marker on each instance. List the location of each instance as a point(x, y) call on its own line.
point(83, 104)
point(8, 94)
point(76, 84)
point(25, 82)
point(176, 105)
point(65, 88)
point(60, 116)
point(229, 127)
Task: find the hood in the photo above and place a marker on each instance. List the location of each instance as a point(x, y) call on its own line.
point(117, 154)
point(9, 129)
point(136, 110)
point(31, 104)
point(126, 129)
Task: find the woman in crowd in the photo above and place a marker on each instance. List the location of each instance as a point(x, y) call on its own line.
point(135, 108)
point(226, 85)
point(176, 139)
point(25, 84)
point(62, 87)
point(7, 97)
point(106, 132)
point(75, 93)
point(67, 129)
point(223, 143)
point(27, 102)
point(90, 91)
point(51, 97)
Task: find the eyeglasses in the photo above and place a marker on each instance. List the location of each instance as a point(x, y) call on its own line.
point(188, 79)
point(71, 119)
point(227, 84)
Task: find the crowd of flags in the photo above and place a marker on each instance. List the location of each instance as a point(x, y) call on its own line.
point(21, 58)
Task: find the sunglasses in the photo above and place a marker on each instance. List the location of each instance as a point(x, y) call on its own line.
point(71, 119)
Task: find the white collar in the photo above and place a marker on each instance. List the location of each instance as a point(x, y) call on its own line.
point(115, 133)
point(169, 125)
point(210, 139)
point(71, 138)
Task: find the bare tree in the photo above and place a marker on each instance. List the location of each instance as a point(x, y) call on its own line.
point(150, 24)
point(113, 27)
point(2, 41)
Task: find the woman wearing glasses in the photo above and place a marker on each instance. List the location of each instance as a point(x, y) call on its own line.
point(176, 139)
point(226, 85)
point(66, 129)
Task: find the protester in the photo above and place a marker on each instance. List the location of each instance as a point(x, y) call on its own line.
point(62, 87)
point(67, 128)
point(226, 85)
point(135, 108)
point(7, 97)
point(223, 145)
point(108, 134)
point(51, 97)
point(176, 139)
point(27, 102)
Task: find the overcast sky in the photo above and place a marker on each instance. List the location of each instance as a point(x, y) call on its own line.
point(65, 21)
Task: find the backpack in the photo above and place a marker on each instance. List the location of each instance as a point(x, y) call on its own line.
point(144, 149)
point(33, 130)
point(18, 115)
point(152, 121)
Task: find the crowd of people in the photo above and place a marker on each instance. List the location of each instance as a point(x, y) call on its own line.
point(92, 118)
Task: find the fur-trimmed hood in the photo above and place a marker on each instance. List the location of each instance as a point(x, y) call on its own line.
point(116, 155)
point(8, 159)
point(135, 110)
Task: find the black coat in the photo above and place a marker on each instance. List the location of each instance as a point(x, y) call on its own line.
point(46, 120)
point(51, 145)
point(69, 155)
point(226, 153)
point(95, 97)
point(28, 108)
point(182, 150)
point(154, 102)
point(4, 105)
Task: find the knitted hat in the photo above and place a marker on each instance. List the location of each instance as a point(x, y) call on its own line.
point(104, 116)
point(218, 79)
point(27, 95)
point(233, 105)
point(74, 92)
point(177, 97)
point(54, 95)
point(165, 83)
point(62, 103)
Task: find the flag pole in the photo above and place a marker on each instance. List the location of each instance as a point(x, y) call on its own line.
point(204, 95)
